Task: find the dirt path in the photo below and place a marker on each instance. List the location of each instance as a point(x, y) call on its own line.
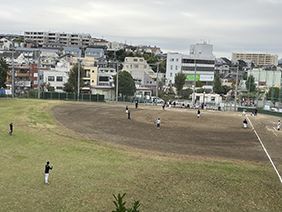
point(214, 134)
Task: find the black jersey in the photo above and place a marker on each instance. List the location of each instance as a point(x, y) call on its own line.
point(47, 167)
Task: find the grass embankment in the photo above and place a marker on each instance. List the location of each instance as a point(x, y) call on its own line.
point(86, 173)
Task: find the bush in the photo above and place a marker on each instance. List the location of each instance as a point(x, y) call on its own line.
point(120, 205)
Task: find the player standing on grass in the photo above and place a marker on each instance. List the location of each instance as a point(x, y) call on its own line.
point(278, 125)
point(11, 128)
point(158, 123)
point(47, 168)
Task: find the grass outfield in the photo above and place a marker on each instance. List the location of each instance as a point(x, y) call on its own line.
point(86, 173)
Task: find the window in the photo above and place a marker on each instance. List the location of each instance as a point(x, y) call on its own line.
point(171, 67)
point(135, 66)
point(51, 78)
point(59, 78)
point(35, 82)
point(59, 88)
point(176, 68)
point(145, 66)
point(176, 59)
point(93, 71)
point(135, 60)
point(171, 59)
point(35, 74)
point(170, 75)
point(141, 60)
point(92, 81)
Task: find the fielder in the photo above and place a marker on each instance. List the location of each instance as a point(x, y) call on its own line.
point(158, 123)
point(245, 123)
point(47, 168)
point(278, 125)
point(199, 112)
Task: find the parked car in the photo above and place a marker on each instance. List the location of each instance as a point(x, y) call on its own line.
point(157, 99)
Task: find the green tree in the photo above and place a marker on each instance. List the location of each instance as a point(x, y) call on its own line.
point(71, 84)
point(179, 81)
point(185, 93)
point(225, 89)
point(250, 84)
point(3, 72)
point(217, 85)
point(199, 83)
point(273, 94)
point(126, 84)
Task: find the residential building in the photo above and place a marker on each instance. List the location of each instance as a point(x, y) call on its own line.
point(55, 78)
point(68, 39)
point(199, 65)
point(22, 81)
point(5, 44)
point(257, 59)
point(105, 84)
point(97, 53)
point(75, 51)
point(90, 73)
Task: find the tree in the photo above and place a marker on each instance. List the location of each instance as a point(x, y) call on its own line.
point(199, 83)
point(217, 85)
point(225, 89)
point(47, 86)
point(185, 93)
point(273, 94)
point(250, 84)
point(3, 73)
point(179, 81)
point(71, 84)
point(126, 84)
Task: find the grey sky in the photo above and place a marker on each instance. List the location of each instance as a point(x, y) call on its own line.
point(247, 26)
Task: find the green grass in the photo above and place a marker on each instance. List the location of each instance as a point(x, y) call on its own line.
point(86, 173)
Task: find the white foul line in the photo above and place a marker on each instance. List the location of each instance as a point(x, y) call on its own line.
point(267, 154)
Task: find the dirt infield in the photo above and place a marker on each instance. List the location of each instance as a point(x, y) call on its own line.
point(214, 134)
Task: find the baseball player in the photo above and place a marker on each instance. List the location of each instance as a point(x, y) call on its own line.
point(278, 125)
point(158, 123)
point(245, 123)
point(47, 168)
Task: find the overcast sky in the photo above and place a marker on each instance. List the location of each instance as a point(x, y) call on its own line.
point(244, 26)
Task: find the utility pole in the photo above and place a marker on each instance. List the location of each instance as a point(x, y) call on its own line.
point(78, 79)
point(38, 77)
point(13, 73)
point(194, 94)
point(117, 85)
point(236, 89)
point(158, 63)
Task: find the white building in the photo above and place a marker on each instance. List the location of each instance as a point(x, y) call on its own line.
point(200, 64)
point(55, 78)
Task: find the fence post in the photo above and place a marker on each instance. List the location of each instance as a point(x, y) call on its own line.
point(97, 97)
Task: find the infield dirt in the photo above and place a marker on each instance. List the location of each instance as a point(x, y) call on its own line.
point(215, 134)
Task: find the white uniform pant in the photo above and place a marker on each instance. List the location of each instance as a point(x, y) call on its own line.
point(245, 125)
point(198, 115)
point(46, 177)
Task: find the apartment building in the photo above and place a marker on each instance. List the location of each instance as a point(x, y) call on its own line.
point(22, 80)
point(67, 39)
point(257, 59)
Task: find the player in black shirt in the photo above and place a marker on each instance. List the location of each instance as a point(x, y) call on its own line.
point(47, 168)
point(11, 128)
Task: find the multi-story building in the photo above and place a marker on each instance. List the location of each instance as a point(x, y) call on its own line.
point(141, 72)
point(90, 73)
point(257, 59)
point(21, 80)
point(200, 64)
point(68, 39)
